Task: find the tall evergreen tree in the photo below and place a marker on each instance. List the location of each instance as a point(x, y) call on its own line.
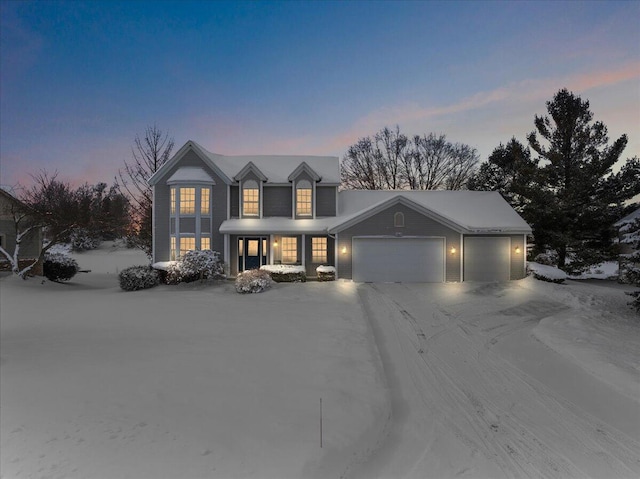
point(579, 197)
point(511, 171)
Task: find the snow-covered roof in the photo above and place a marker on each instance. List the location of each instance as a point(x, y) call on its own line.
point(470, 211)
point(190, 174)
point(276, 168)
point(275, 225)
point(630, 218)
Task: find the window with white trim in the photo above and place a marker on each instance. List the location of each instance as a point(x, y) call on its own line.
point(289, 250)
point(304, 198)
point(205, 242)
point(187, 201)
point(187, 243)
point(318, 250)
point(205, 201)
point(250, 198)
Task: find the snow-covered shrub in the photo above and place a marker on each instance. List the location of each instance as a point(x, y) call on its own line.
point(83, 240)
point(59, 266)
point(549, 258)
point(545, 272)
point(134, 278)
point(285, 273)
point(326, 273)
point(195, 265)
point(253, 281)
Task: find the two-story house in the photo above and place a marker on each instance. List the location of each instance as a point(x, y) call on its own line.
point(259, 210)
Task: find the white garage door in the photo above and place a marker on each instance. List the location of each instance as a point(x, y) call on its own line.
point(407, 260)
point(487, 259)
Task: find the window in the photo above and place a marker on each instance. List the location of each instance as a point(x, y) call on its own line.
point(205, 199)
point(398, 220)
point(303, 198)
point(173, 200)
point(289, 249)
point(318, 250)
point(187, 244)
point(187, 201)
point(250, 198)
point(173, 248)
point(205, 242)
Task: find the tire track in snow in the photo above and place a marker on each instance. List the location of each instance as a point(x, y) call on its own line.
point(489, 405)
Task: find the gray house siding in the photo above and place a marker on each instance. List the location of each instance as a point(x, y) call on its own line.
point(415, 224)
point(162, 207)
point(325, 201)
point(31, 243)
point(277, 201)
point(235, 201)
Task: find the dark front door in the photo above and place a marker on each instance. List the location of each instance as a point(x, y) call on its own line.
point(252, 253)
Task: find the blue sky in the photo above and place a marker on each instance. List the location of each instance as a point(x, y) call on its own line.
point(78, 80)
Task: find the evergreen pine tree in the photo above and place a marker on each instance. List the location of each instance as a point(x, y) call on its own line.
point(578, 197)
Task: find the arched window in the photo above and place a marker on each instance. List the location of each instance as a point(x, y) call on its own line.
point(304, 202)
point(398, 220)
point(250, 198)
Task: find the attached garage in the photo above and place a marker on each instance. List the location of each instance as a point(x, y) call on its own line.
point(392, 259)
point(487, 258)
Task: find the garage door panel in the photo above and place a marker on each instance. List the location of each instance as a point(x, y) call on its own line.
point(398, 259)
point(487, 259)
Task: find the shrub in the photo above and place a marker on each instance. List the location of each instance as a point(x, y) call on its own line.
point(326, 273)
point(282, 273)
point(59, 267)
point(547, 273)
point(549, 258)
point(253, 281)
point(195, 265)
point(82, 240)
point(134, 278)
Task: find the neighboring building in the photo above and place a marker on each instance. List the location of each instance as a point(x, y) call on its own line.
point(622, 227)
point(260, 210)
point(31, 245)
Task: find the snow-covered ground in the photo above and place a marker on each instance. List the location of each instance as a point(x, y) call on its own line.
point(521, 379)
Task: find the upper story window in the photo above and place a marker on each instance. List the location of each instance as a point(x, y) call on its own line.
point(304, 202)
point(187, 201)
point(398, 220)
point(250, 198)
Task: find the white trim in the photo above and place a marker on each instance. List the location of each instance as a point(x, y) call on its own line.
point(153, 224)
point(229, 202)
point(302, 251)
point(335, 254)
point(461, 257)
point(226, 253)
point(524, 255)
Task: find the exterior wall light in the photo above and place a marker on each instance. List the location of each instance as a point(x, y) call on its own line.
point(517, 249)
point(275, 243)
point(344, 250)
point(453, 250)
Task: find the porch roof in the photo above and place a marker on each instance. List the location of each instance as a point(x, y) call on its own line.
point(275, 226)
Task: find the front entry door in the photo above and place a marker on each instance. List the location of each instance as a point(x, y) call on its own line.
point(252, 253)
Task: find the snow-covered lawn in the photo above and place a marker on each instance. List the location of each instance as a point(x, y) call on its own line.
point(186, 381)
point(521, 379)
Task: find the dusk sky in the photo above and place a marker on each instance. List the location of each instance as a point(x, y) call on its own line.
point(78, 80)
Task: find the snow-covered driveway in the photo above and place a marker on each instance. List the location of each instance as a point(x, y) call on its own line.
point(475, 394)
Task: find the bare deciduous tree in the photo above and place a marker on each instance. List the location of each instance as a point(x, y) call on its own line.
point(149, 153)
point(392, 161)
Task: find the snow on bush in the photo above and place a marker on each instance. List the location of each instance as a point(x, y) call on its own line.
point(286, 273)
point(253, 281)
point(549, 258)
point(544, 272)
point(134, 278)
point(326, 273)
point(630, 264)
point(59, 266)
point(82, 240)
point(195, 265)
